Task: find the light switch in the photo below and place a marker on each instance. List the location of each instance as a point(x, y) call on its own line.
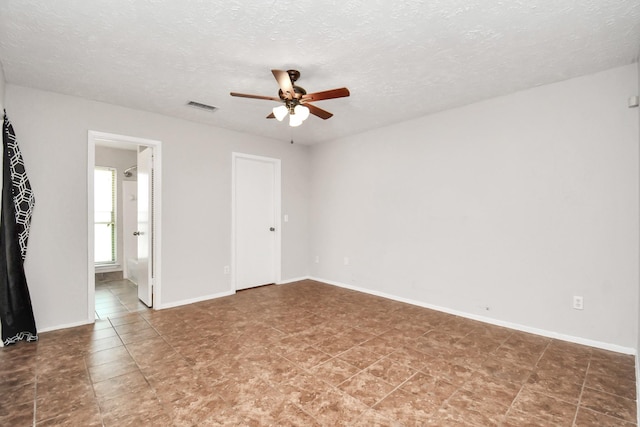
point(286, 218)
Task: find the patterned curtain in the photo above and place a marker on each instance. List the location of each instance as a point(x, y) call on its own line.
point(16, 314)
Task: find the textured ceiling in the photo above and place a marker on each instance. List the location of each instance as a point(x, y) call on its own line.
point(400, 60)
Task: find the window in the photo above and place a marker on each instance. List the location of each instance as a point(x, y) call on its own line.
point(104, 215)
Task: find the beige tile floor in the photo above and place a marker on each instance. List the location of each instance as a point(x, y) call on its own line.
point(114, 297)
point(308, 354)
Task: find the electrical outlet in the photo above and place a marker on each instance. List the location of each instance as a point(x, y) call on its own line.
point(346, 260)
point(317, 259)
point(226, 269)
point(578, 303)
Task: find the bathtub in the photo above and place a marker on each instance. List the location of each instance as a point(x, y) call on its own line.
point(132, 269)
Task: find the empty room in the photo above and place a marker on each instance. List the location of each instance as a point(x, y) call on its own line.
point(320, 213)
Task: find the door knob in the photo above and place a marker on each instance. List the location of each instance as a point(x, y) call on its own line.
point(272, 229)
point(137, 233)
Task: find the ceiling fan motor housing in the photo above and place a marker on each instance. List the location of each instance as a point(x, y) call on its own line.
point(298, 92)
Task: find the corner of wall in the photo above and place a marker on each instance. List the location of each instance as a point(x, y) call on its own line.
point(638, 311)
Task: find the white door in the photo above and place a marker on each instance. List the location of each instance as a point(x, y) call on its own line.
point(129, 225)
point(145, 227)
point(257, 207)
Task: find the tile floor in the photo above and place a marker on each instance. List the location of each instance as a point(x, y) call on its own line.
point(308, 354)
point(116, 296)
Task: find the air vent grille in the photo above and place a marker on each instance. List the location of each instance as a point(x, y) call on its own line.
point(202, 106)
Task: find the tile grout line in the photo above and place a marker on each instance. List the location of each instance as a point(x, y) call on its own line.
point(95, 396)
point(137, 365)
point(529, 376)
point(370, 407)
point(584, 384)
point(35, 394)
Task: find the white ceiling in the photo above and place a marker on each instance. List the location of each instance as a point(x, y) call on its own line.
point(400, 60)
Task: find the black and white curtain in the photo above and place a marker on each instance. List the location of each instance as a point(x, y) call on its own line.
point(16, 314)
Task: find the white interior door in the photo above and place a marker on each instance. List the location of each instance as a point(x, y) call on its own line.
point(256, 206)
point(145, 227)
point(129, 225)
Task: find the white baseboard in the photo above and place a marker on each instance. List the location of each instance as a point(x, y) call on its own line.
point(194, 300)
point(164, 306)
point(67, 325)
point(298, 279)
point(550, 334)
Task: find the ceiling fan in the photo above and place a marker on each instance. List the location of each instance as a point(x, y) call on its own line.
point(295, 100)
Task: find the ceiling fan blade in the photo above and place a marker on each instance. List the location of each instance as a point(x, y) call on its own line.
point(323, 114)
point(327, 94)
point(271, 116)
point(244, 95)
point(284, 81)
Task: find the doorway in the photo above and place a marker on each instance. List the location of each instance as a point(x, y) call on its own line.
point(147, 219)
point(255, 221)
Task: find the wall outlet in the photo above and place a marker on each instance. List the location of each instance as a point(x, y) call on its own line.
point(317, 260)
point(346, 260)
point(578, 303)
point(227, 269)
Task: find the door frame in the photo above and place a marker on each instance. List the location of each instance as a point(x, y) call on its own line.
point(277, 213)
point(116, 140)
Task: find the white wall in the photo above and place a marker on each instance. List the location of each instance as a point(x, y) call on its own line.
point(121, 160)
point(638, 314)
point(515, 204)
point(2, 88)
point(503, 209)
point(196, 212)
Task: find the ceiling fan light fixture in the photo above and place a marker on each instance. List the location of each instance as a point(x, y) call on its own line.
point(294, 120)
point(302, 112)
point(280, 112)
point(296, 100)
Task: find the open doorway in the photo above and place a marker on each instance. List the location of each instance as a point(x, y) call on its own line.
point(124, 231)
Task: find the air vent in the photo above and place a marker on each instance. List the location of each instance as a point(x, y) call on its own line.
point(202, 106)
